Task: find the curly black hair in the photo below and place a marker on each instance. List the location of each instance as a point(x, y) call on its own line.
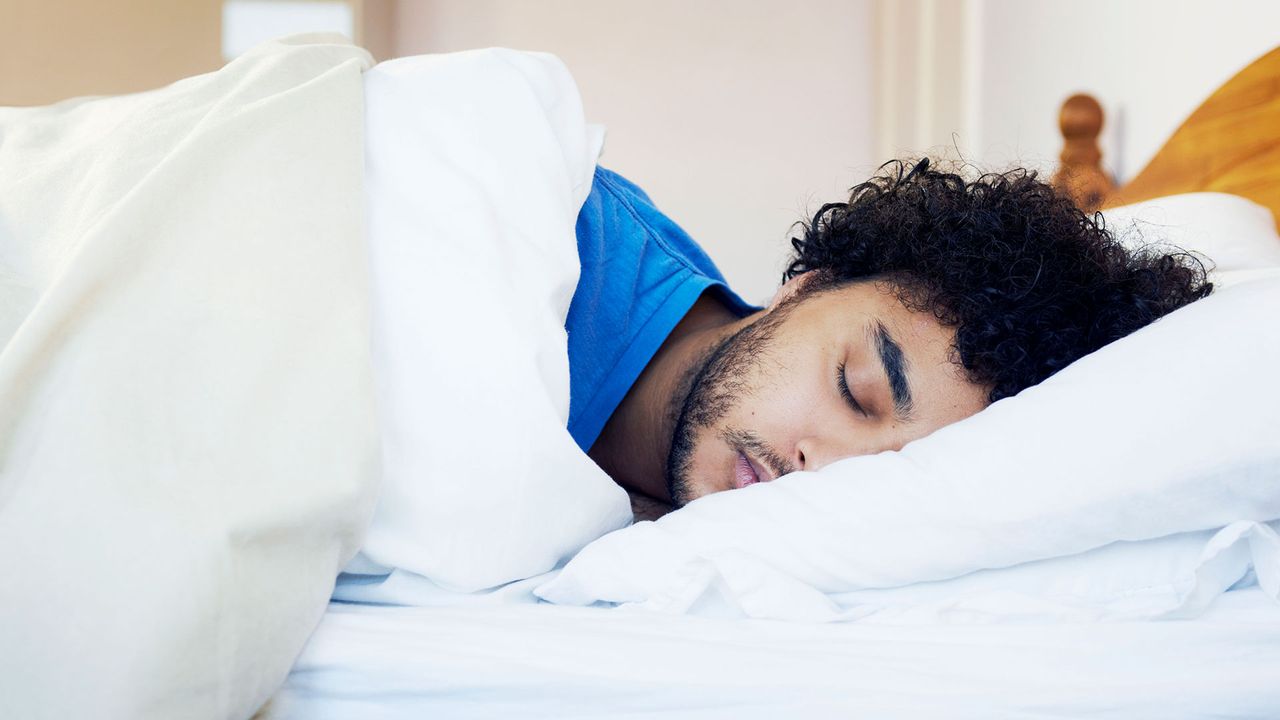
point(1029, 282)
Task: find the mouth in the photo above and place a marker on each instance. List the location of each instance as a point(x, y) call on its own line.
point(747, 471)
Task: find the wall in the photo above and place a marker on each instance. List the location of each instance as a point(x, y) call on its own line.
point(736, 117)
point(739, 117)
point(1149, 63)
point(375, 26)
point(54, 50)
point(926, 71)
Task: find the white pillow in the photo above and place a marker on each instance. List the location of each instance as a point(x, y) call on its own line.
point(477, 165)
point(1170, 430)
point(1234, 232)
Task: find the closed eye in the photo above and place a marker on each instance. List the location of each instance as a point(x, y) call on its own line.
point(843, 384)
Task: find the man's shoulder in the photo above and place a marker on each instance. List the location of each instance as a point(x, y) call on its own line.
point(619, 186)
point(640, 273)
point(621, 215)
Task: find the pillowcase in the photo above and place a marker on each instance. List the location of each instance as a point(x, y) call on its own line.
point(1170, 430)
point(1233, 232)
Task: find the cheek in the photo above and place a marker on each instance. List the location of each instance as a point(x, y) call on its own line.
point(779, 404)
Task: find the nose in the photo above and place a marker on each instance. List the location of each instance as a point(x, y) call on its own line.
point(815, 452)
point(808, 456)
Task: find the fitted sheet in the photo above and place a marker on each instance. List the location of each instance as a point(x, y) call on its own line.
point(545, 661)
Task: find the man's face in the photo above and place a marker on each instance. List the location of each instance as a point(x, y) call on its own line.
point(818, 377)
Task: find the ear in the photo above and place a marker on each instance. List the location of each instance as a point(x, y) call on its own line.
point(793, 287)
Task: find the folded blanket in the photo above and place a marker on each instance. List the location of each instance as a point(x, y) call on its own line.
point(187, 440)
point(477, 165)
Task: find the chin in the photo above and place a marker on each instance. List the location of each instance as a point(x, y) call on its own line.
point(692, 488)
point(710, 467)
point(710, 472)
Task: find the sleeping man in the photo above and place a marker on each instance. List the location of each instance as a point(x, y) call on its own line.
point(921, 300)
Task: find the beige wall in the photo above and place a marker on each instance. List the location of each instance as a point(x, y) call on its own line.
point(736, 117)
point(1149, 62)
point(989, 76)
point(55, 49)
point(375, 26)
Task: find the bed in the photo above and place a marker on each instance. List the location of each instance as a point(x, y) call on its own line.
point(1229, 144)
point(220, 353)
point(477, 656)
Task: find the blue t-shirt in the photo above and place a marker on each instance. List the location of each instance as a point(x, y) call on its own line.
point(640, 274)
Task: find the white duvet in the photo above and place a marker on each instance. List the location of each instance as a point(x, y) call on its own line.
point(476, 166)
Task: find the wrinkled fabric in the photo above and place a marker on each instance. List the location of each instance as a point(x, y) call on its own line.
point(547, 661)
point(188, 447)
point(476, 166)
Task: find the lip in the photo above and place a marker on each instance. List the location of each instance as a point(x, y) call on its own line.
point(744, 472)
point(762, 474)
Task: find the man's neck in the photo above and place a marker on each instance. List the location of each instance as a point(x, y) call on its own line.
point(634, 444)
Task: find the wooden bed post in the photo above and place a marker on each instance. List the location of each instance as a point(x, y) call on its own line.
point(1080, 175)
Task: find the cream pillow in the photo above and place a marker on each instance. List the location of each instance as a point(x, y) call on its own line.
point(188, 452)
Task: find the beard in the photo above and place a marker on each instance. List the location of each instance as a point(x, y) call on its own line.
point(715, 385)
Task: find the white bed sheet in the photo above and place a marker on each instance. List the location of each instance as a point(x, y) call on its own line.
point(545, 661)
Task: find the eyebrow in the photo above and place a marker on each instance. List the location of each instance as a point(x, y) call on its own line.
point(895, 368)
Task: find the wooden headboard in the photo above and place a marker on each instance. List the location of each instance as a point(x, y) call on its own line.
point(1230, 144)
